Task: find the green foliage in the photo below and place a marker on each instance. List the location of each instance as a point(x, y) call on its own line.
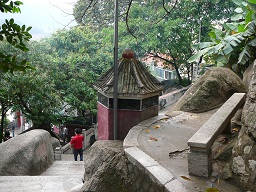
point(12, 6)
point(82, 56)
point(35, 94)
point(234, 46)
point(169, 38)
point(15, 35)
point(5, 102)
point(67, 64)
point(164, 31)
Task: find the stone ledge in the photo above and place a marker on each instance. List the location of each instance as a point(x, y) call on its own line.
point(156, 172)
point(159, 174)
point(200, 156)
point(65, 148)
point(148, 122)
point(175, 186)
point(139, 158)
point(216, 124)
point(131, 138)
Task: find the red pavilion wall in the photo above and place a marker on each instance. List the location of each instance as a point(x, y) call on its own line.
point(126, 120)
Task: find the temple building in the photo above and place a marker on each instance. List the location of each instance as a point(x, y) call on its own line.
point(138, 97)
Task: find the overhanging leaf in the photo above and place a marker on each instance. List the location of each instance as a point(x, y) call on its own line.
point(249, 16)
point(232, 26)
point(252, 43)
point(199, 54)
point(237, 17)
point(227, 49)
point(238, 10)
point(205, 45)
point(241, 28)
point(238, 2)
point(244, 56)
point(252, 1)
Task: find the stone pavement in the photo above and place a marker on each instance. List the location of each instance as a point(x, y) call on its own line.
point(164, 139)
point(62, 176)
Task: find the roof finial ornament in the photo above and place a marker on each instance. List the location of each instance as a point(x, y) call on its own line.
point(128, 53)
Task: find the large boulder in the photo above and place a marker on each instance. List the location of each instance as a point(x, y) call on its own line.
point(30, 153)
point(243, 164)
point(210, 91)
point(106, 168)
point(247, 75)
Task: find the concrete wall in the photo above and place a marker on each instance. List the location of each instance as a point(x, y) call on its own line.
point(146, 173)
point(171, 98)
point(143, 171)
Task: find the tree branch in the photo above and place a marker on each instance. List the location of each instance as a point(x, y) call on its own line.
point(167, 12)
point(126, 19)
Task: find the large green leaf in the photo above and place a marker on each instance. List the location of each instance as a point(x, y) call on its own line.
point(252, 1)
point(245, 55)
point(241, 28)
point(227, 49)
point(238, 2)
point(200, 53)
point(252, 43)
point(202, 45)
point(237, 17)
point(232, 26)
point(249, 16)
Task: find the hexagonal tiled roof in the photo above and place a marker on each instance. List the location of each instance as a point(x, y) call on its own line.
point(134, 80)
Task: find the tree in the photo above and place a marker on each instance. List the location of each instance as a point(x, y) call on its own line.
point(32, 91)
point(83, 55)
point(170, 38)
point(67, 64)
point(163, 30)
point(234, 45)
point(14, 34)
point(5, 101)
point(36, 96)
point(96, 13)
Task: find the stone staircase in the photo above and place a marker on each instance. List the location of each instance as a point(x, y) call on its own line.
point(62, 176)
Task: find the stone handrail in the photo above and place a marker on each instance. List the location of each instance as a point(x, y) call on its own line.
point(200, 156)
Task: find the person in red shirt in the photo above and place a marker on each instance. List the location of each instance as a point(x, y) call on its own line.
point(77, 144)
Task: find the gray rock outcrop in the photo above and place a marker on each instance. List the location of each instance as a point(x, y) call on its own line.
point(247, 75)
point(106, 168)
point(210, 91)
point(30, 153)
point(243, 163)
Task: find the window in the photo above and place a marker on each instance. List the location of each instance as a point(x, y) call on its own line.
point(149, 102)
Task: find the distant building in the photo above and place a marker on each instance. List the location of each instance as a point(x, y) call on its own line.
point(159, 70)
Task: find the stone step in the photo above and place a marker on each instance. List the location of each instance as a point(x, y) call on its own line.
point(65, 168)
point(63, 183)
point(62, 176)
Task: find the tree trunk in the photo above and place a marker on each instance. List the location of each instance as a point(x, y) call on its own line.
point(178, 74)
point(2, 124)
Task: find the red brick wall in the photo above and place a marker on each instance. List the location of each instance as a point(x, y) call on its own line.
point(126, 120)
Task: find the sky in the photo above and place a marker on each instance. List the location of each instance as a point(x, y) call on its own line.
point(45, 16)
